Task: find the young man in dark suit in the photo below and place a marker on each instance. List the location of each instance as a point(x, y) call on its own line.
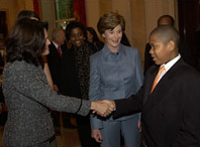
point(171, 110)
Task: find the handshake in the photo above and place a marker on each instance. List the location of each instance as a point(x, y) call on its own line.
point(103, 108)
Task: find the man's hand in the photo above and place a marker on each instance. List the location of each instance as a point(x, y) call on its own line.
point(111, 103)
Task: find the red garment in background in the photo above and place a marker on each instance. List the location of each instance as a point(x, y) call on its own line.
point(36, 7)
point(79, 11)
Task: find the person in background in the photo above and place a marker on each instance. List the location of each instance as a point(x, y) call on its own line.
point(76, 68)
point(54, 58)
point(115, 72)
point(169, 99)
point(32, 15)
point(93, 38)
point(27, 93)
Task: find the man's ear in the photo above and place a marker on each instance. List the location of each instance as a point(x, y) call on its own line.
point(103, 35)
point(171, 45)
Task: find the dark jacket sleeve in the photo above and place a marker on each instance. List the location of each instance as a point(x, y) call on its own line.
point(129, 106)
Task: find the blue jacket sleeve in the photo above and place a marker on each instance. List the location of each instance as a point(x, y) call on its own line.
point(94, 90)
point(139, 74)
point(138, 71)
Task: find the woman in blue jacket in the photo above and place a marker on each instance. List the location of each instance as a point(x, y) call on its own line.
point(115, 72)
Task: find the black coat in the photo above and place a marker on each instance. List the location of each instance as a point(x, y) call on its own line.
point(55, 62)
point(75, 70)
point(70, 83)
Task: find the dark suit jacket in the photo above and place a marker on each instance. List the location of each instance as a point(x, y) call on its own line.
point(171, 114)
point(55, 63)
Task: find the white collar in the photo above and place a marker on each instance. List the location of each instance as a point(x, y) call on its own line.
point(169, 64)
point(55, 44)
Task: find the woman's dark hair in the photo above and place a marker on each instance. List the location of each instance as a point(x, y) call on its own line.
point(27, 14)
point(72, 25)
point(94, 34)
point(26, 42)
point(31, 15)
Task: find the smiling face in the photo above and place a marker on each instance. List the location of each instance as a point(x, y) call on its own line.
point(113, 38)
point(77, 37)
point(160, 52)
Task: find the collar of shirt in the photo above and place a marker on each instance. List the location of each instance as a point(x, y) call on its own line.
point(56, 45)
point(169, 64)
point(107, 52)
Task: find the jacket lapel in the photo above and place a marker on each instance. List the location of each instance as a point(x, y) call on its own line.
point(162, 89)
point(149, 82)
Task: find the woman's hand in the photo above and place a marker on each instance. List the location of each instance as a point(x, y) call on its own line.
point(96, 134)
point(102, 108)
point(140, 126)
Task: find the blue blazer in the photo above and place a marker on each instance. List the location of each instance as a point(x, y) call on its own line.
point(114, 76)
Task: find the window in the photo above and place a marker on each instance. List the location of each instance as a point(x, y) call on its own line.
point(64, 12)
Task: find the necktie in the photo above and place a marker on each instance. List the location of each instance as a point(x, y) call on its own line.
point(59, 51)
point(162, 68)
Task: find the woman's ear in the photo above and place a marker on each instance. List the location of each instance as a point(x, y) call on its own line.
point(103, 35)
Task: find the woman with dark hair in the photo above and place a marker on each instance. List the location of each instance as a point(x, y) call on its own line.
point(26, 90)
point(76, 70)
point(32, 15)
point(93, 38)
